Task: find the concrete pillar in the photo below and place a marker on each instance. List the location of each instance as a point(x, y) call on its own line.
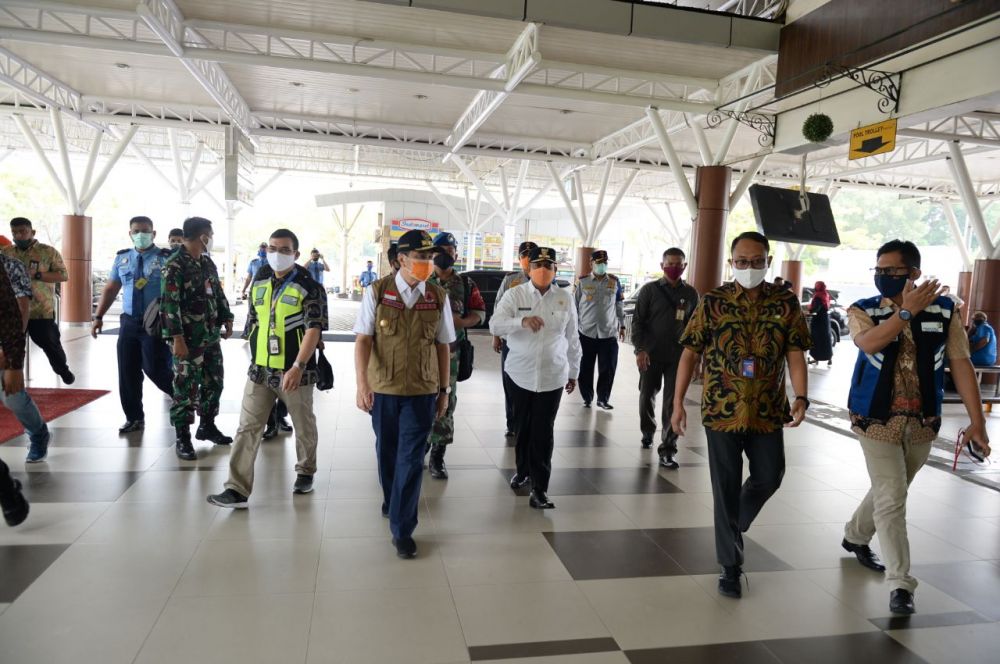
point(964, 293)
point(792, 271)
point(583, 260)
point(77, 293)
point(709, 232)
point(985, 295)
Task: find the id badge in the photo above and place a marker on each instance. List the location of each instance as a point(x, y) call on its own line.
point(679, 315)
point(273, 345)
point(748, 368)
point(141, 283)
point(208, 287)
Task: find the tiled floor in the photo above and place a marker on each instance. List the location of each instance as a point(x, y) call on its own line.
point(122, 560)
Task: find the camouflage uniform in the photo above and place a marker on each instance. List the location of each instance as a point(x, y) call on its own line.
point(194, 305)
point(443, 431)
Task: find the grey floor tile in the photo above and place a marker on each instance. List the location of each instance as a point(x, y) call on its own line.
point(23, 564)
point(694, 551)
point(628, 480)
point(75, 487)
point(975, 583)
point(745, 652)
point(856, 648)
point(611, 554)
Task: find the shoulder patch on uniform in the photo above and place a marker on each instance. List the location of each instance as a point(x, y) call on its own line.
point(123, 251)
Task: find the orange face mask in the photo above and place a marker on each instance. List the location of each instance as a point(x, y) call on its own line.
point(524, 263)
point(421, 269)
point(542, 277)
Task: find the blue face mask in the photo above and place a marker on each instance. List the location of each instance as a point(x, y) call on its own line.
point(262, 253)
point(890, 286)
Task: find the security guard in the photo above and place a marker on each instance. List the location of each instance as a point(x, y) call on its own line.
point(539, 321)
point(193, 308)
point(137, 271)
point(286, 321)
point(512, 280)
point(467, 310)
point(257, 262)
point(401, 363)
point(600, 305)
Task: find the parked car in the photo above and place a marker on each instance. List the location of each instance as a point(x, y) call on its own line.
point(489, 282)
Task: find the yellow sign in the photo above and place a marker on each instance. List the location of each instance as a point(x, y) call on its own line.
point(873, 139)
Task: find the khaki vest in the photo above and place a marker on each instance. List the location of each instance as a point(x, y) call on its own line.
point(404, 355)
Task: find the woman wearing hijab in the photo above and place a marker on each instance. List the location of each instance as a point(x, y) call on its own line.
point(819, 326)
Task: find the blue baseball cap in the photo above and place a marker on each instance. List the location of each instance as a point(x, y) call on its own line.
point(445, 240)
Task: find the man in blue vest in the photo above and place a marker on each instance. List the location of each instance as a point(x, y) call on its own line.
point(904, 335)
point(137, 272)
point(286, 320)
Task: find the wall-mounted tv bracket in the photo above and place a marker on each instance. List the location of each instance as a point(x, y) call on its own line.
point(762, 123)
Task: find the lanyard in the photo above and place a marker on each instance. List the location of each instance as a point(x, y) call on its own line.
point(275, 296)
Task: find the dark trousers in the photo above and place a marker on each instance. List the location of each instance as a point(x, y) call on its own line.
point(605, 352)
point(44, 333)
point(402, 425)
point(7, 489)
point(534, 419)
point(139, 353)
point(736, 507)
point(508, 398)
point(278, 412)
point(658, 376)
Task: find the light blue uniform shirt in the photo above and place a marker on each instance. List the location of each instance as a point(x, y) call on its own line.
point(125, 271)
point(255, 265)
point(987, 355)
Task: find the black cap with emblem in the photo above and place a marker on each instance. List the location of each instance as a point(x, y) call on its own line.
point(599, 256)
point(416, 241)
point(543, 255)
point(525, 248)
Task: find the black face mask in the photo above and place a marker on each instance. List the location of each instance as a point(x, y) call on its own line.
point(23, 244)
point(977, 323)
point(890, 286)
point(444, 261)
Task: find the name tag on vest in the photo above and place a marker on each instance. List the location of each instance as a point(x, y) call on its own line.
point(425, 306)
point(932, 326)
point(392, 303)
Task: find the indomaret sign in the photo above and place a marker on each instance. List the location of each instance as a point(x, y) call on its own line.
point(873, 139)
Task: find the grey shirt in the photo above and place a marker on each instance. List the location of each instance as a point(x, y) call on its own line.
point(600, 305)
point(661, 313)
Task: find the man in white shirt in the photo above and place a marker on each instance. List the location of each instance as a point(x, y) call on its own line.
point(402, 363)
point(539, 323)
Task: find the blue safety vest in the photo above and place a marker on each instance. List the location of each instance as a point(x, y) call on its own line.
point(872, 385)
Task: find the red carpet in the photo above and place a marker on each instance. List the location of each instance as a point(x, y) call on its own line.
point(52, 403)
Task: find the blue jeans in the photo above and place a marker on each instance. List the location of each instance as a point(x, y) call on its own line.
point(27, 414)
point(402, 425)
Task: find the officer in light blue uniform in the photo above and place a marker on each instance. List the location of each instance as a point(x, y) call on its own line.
point(136, 272)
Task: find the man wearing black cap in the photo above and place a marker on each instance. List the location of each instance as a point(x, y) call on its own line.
point(539, 322)
point(467, 310)
point(401, 362)
point(512, 280)
point(600, 306)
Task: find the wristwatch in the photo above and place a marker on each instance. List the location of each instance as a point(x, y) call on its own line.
point(300, 365)
point(98, 318)
point(38, 276)
point(803, 399)
point(905, 314)
point(445, 390)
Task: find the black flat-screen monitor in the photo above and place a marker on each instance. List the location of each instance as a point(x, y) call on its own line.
point(780, 216)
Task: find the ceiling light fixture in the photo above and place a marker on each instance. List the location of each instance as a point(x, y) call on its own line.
point(420, 97)
point(297, 84)
point(122, 65)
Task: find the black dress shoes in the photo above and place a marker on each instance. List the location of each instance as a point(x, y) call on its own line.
point(15, 506)
point(406, 548)
point(647, 443)
point(901, 602)
point(183, 447)
point(729, 582)
point(208, 431)
point(586, 404)
point(605, 405)
point(131, 426)
point(517, 481)
point(284, 426)
point(864, 555)
point(270, 431)
point(667, 461)
point(540, 501)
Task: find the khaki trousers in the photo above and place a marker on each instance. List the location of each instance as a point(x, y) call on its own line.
point(891, 468)
point(257, 403)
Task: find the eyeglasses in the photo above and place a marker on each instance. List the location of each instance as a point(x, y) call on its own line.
point(755, 263)
point(970, 450)
point(890, 271)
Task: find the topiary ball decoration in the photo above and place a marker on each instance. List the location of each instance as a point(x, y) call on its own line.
point(817, 127)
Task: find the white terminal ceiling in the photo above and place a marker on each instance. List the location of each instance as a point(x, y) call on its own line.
point(372, 88)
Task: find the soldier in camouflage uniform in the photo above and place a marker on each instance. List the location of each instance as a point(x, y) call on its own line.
point(467, 310)
point(193, 308)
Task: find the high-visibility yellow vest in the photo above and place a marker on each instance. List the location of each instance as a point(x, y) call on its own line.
point(287, 323)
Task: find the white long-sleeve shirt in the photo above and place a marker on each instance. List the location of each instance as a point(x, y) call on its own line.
point(545, 360)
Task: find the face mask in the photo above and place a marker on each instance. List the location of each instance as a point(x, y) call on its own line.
point(209, 244)
point(421, 269)
point(142, 241)
point(600, 269)
point(890, 286)
point(525, 263)
point(673, 272)
point(977, 323)
point(542, 278)
point(23, 244)
point(444, 261)
point(750, 278)
point(280, 262)
point(262, 253)
point(176, 245)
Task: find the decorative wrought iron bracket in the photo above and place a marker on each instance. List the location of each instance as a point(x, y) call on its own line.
point(758, 121)
point(886, 84)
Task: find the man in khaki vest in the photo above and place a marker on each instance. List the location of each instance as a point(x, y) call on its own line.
point(402, 362)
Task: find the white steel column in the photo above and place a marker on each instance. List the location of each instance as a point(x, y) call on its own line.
point(509, 226)
point(90, 192)
point(975, 213)
point(949, 213)
point(95, 148)
point(673, 160)
point(746, 180)
point(566, 201)
point(599, 228)
point(29, 136)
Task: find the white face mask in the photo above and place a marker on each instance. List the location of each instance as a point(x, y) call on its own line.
point(749, 278)
point(280, 262)
point(209, 244)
